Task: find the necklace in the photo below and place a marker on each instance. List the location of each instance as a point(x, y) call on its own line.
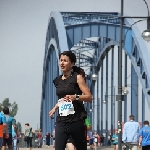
point(65, 75)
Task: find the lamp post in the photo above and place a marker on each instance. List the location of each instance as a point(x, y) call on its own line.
point(105, 101)
point(134, 98)
point(146, 33)
point(120, 81)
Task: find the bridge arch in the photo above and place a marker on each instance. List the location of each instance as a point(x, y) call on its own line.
point(67, 29)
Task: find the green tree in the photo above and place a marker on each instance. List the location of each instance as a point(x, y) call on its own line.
point(19, 126)
point(13, 108)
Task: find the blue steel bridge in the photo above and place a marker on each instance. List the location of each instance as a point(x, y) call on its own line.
point(94, 37)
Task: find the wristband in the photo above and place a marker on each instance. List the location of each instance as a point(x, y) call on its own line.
point(77, 97)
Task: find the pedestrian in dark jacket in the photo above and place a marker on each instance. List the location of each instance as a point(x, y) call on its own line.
point(48, 139)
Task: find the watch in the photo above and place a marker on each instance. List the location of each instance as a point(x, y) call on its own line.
point(77, 97)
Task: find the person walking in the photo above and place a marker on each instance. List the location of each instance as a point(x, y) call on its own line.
point(40, 139)
point(95, 139)
point(144, 139)
point(131, 132)
point(53, 136)
point(28, 134)
point(3, 126)
point(102, 140)
point(91, 140)
point(9, 121)
point(14, 137)
point(47, 139)
point(69, 88)
point(114, 140)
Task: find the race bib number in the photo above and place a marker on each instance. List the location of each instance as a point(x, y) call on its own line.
point(65, 108)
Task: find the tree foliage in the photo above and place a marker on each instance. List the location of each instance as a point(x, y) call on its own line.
point(13, 108)
point(19, 126)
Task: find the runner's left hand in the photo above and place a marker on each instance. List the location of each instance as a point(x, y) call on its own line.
point(70, 97)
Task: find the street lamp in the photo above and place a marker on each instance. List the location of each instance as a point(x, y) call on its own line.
point(125, 90)
point(112, 103)
point(91, 110)
point(134, 99)
point(94, 75)
point(105, 101)
point(146, 33)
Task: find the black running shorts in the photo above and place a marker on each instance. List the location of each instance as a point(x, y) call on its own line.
point(77, 130)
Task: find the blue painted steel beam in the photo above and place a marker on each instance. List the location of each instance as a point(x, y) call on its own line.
point(106, 129)
point(143, 107)
point(125, 84)
point(98, 106)
point(134, 93)
point(102, 82)
point(112, 93)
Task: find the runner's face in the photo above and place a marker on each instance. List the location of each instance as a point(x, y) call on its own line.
point(65, 63)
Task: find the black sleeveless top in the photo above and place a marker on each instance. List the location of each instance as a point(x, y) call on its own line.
point(70, 86)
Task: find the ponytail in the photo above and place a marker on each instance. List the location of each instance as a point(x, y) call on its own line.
point(79, 71)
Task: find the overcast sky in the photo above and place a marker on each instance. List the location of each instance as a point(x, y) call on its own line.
point(23, 26)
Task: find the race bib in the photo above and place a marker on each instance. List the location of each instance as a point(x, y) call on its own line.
point(65, 108)
point(95, 140)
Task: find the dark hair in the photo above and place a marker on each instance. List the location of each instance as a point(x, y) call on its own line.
point(146, 122)
point(27, 124)
point(6, 110)
point(131, 117)
point(79, 71)
point(71, 56)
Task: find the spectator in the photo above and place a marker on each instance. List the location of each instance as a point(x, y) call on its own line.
point(18, 135)
point(99, 140)
point(109, 139)
point(3, 126)
point(10, 121)
point(115, 140)
point(144, 138)
point(87, 138)
point(28, 133)
point(18, 140)
point(53, 135)
point(91, 140)
point(48, 139)
point(40, 139)
point(131, 132)
point(95, 139)
point(102, 140)
point(14, 136)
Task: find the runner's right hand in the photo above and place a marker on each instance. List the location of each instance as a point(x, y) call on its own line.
point(51, 112)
